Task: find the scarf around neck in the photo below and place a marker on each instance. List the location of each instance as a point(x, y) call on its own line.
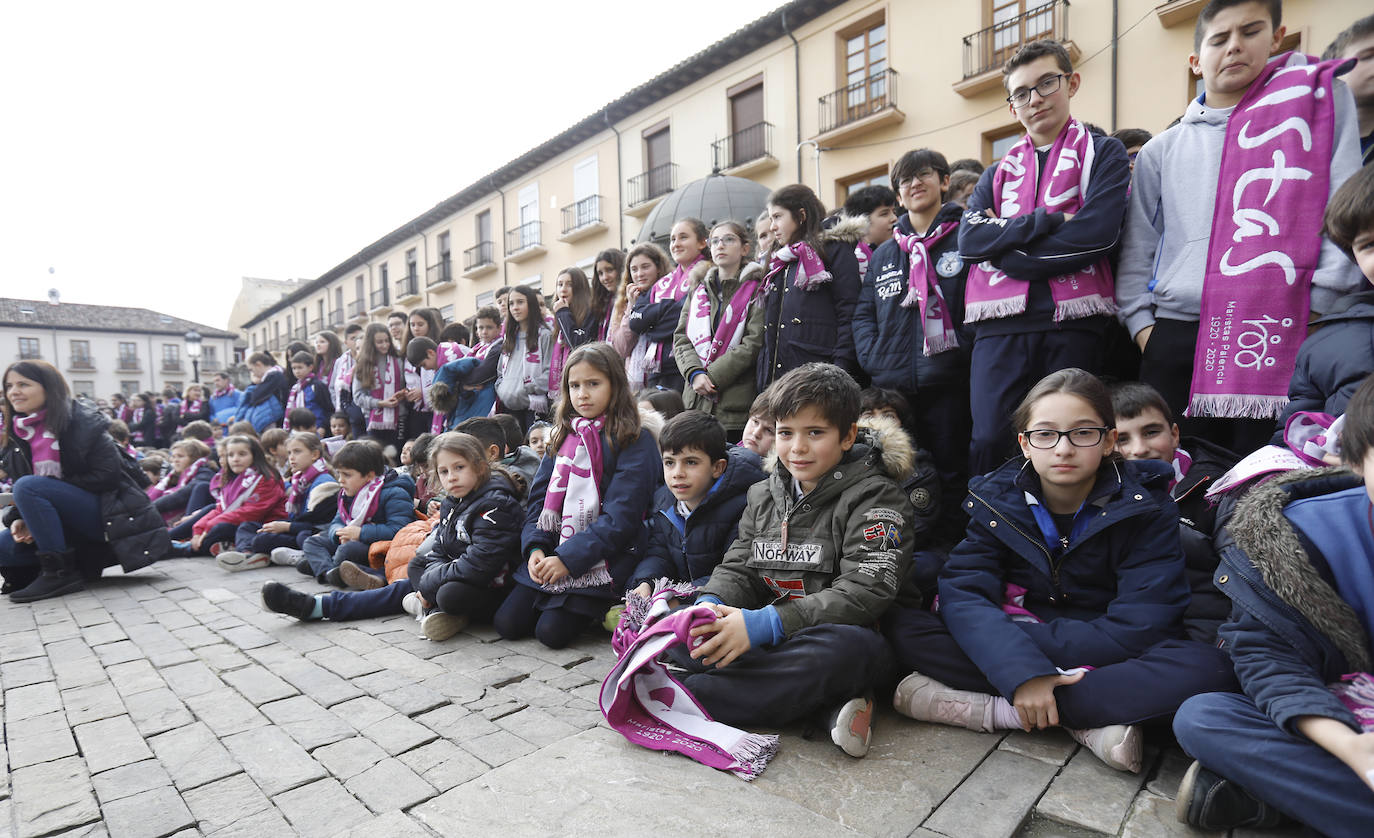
point(239, 489)
point(360, 508)
point(863, 251)
point(296, 398)
point(710, 343)
point(298, 486)
point(182, 479)
point(1018, 188)
point(221, 393)
point(811, 272)
point(923, 288)
point(1272, 190)
point(44, 454)
point(389, 376)
point(572, 500)
point(674, 285)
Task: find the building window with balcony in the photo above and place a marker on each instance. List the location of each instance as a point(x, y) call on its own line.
point(28, 349)
point(1009, 25)
point(660, 176)
point(869, 84)
point(381, 294)
point(441, 271)
point(527, 234)
point(750, 137)
point(585, 210)
point(128, 357)
point(128, 388)
point(171, 357)
point(81, 355)
point(209, 359)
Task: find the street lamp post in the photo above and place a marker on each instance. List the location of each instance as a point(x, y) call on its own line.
point(193, 341)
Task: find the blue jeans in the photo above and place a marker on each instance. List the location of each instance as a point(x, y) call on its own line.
point(325, 554)
point(248, 539)
point(359, 605)
point(55, 511)
point(182, 531)
point(1231, 736)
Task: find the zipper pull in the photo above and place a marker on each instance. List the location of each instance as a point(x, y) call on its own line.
point(1063, 544)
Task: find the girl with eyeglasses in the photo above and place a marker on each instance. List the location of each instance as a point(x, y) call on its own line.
point(1063, 606)
point(720, 331)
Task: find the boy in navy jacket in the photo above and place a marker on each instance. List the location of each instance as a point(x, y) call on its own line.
point(1296, 565)
point(1034, 243)
point(697, 510)
point(374, 503)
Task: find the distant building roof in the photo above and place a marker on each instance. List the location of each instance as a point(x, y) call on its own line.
point(90, 318)
point(752, 36)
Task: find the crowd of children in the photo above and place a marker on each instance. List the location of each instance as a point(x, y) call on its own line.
point(1024, 447)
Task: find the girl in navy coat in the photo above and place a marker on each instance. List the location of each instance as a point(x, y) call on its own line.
point(810, 290)
point(586, 506)
point(1064, 604)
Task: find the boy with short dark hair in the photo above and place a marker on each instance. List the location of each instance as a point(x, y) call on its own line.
point(1358, 42)
point(428, 357)
point(1339, 351)
point(374, 503)
point(274, 446)
point(1216, 286)
point(301, 419)
point(698, 507)
point(308, 393)
point(878, 206)
point(1145, 430)
point(199, 429)
point(823, 550)
point(757, 436)
point(1040, 228)
point(1296, 565)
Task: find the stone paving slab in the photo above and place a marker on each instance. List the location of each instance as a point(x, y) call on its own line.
point(168, 703)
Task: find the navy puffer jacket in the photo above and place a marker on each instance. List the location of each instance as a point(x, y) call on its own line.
point(477, 540)
point(1334, 359)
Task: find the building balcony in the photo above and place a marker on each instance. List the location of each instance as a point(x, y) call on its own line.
point(357, 309)
point(525, 241)
point(128, 365)
point(407, 290)
point(301, 333)
point(477, 260)
point(440, 276)
point(745, 152)
point(582, 219)
point(317, 325)
point(171, 365)
point(859, 108)
point(81, 363)
point(336, 318)
point(1176, 12)
point(643, 191)
point(209, 365)
point(380, 301)
point(988, 49)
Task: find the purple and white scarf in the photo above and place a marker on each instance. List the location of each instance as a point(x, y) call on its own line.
point(710, 343)
point(1018, 188)
point(165, 484)
point(1182, 462)
point(340, 378)
point(649, 707)
point(296, 398)
point(136, 424)
point(191, 406)
point(863, 251)
point(1266, 239)
point(44, 453)
point(1356, 692)
point(362, 506)
point(811, 272)
point(923, 288)
point(674, 285)
point(572, 500)
point(388, 378)
point(298, 486)
point(443, 354)
point(239, 489)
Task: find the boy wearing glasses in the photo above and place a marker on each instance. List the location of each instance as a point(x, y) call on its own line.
point(1222, 261)
point(909, 319)
point(1038, 232)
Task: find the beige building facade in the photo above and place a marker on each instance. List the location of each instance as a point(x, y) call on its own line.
point(820, 92)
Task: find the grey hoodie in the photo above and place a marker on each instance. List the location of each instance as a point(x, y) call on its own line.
point(1169, 217)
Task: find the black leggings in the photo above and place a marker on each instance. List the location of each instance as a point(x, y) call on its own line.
point(520, 616)
point(477, 604)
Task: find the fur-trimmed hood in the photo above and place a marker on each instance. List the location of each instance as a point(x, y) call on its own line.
point(847, 229)
point(1264, 533)
point(650, 420)
point(881, 436)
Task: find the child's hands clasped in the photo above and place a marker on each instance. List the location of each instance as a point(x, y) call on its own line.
point(347, 534)
point(546, 570)
point(277, 527)
point(730, 641)
point(1034, 700)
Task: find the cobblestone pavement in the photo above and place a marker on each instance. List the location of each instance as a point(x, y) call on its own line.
point(168, 702)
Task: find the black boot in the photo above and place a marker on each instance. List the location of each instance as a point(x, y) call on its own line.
point(58, 576)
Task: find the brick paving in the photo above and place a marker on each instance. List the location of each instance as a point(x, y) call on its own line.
point(168, 702)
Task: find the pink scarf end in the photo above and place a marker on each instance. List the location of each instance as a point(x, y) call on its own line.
point(811, 283)
point(945, 343)
point(1235, 406)
point(994, 309)
point(911, 300)
point(48, 468)
point(549, 520)
point(1079, 307)
point(597, 577)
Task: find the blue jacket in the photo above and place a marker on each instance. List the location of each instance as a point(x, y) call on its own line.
point(264, 403)
point(657, 322)
point(1287, 647)
point(395, 509)
point(1117, 590)
point(1334, 359)
point(318, 402)
point(469, 398)
point(627, 489)
point(477, 540)
point(803, 326)
point(888, 337)
point(318, 506)
point(224, 408)
point(690, 549)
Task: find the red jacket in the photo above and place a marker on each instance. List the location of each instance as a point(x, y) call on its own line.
point(267, 503)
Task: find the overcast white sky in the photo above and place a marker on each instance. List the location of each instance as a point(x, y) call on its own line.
point(154, 153)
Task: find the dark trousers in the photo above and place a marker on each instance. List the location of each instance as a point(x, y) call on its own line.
point(1167, 366)
point(941, 422)
point(1002, 370)
point(360, 605)
point(520, 616)
point(216, 534)
point(1231, 736)
point(182, 531)
point(249, 538)
point(417, 422)
point(1145, 687)
point(813, 670)
point(478, 604)
point(325, 554)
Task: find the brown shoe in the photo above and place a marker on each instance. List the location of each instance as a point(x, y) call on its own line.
point(358, 579)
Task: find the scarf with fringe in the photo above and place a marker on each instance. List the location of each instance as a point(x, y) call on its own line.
point(573, 498)
point(811, 272)
point(923, 289)
point(389, 376)
point(357, 510)
point(298, 486)
point(44, 453)
point(711, 343)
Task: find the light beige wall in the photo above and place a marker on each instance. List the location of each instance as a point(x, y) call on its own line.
point(105, 377)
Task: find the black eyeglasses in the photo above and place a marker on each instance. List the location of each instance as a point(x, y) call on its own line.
point(1046, 87)
point(1046, 439)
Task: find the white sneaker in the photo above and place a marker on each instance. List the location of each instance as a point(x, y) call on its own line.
point(411, 604)
point(287, 556)
point(851, 726)
point(924, 699)
point(1119, 746)
point(437, 625)
point(234, 561)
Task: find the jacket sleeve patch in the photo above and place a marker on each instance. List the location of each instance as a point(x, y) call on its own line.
point(882, 513)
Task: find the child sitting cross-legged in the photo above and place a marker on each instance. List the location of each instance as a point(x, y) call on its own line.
point(823, 550)
point(247, 488)
point(1063, 606)
point(697, 510)
point(310, 502)
point(374, 502)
